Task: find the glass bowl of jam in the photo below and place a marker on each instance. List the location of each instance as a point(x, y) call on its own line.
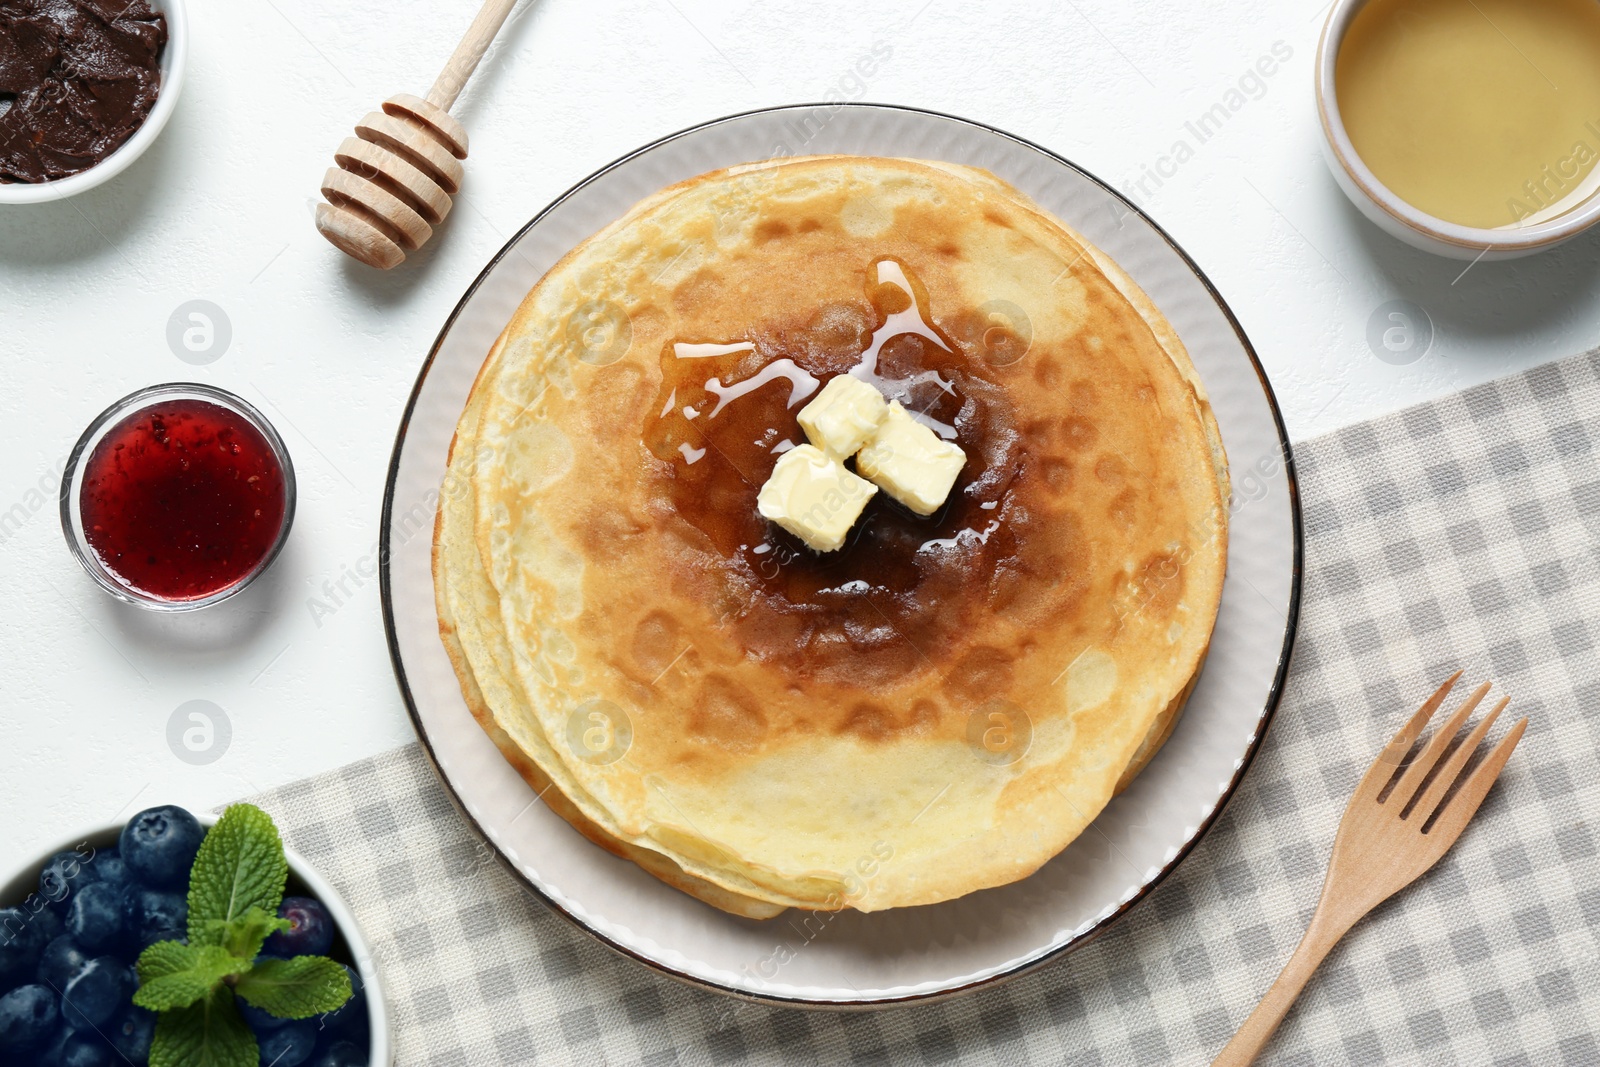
point(177, 497)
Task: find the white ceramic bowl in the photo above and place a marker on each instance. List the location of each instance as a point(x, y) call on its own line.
point(174, 60)
point(1392, 214)
point(22, 882)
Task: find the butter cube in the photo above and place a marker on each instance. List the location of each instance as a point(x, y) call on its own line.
point(911, 462)
point(814, 497)
point(843, 416)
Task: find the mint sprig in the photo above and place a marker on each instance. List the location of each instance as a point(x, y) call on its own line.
point(209, 1032)
point(175, 975)
point(245, 935)
point(297, 988)
point(235, 888)
point(240, 866)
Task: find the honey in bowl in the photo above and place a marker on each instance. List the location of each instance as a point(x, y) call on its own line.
point(1484, 113)
point(183, 499)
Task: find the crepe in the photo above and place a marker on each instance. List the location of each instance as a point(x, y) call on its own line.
point(462, 580)
point(943, 705)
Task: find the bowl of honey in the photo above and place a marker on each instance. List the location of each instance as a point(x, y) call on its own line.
point(1467, 128)
point(177, 497)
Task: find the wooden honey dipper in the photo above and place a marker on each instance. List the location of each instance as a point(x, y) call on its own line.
point(394, 179)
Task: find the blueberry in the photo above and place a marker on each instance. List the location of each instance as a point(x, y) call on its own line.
point(310, 932)
point(22, 940)
point(65, 872)
point(104, 985)
point(158, 846)
point(50, 923)
point(107, 866)
point(258, 1020)
point(86, 1048)
point(61, 962)
point(288, 1045)
point(95, 918)
point(50, 1053)
point(28, 1015)
point(341, 1054)
point(349, 1018)
point(354, 1028)
point(152, 915)
point(130, 1032)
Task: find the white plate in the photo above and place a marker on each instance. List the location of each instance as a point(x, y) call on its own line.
point(853, 959)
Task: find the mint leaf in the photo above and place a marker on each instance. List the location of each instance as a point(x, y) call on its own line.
point(209, 1033)
point(164, 958)
point(245, 935)
point(172, 975)
point(240, 866)
point(295, 989)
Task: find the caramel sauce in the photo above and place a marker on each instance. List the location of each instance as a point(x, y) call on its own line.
point(904, 585)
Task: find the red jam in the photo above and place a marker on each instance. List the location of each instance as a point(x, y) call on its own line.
point(182, 499)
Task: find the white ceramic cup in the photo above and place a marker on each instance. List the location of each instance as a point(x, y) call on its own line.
point(174, 60)
point(22, 882)
point(1392, 214)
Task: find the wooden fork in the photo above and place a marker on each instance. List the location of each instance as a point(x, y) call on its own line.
point(1387, 838)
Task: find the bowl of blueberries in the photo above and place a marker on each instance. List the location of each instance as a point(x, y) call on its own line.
point(76, 928)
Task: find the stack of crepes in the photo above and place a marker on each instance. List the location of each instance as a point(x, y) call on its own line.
point(920, 718)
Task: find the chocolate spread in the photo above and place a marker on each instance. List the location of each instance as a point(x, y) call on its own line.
point(77, 78)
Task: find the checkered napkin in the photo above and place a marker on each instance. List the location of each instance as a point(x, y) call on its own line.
point(1462, 532)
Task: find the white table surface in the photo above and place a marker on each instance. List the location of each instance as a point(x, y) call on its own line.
point(220, 210)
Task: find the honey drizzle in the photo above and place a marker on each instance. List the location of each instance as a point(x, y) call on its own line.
point(901, 582)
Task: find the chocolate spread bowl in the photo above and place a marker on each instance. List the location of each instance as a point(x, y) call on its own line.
point(172, 62)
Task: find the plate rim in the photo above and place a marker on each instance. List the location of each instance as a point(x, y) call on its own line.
point(1028, 966)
